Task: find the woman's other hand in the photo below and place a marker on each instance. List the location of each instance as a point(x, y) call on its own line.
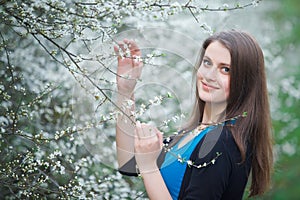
point(148, 145)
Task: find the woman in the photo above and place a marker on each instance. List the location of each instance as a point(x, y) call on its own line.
point(228, 135)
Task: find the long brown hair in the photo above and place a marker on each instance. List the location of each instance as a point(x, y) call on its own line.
point(248, 93)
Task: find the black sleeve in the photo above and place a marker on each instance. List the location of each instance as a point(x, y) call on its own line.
point(131, 169)
point(212, 182)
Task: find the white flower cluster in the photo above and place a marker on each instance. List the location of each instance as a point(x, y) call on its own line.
point(48, 150)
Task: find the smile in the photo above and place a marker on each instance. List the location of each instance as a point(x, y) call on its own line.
point(206, 86)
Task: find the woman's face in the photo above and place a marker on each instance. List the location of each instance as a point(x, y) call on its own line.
point(213, 76)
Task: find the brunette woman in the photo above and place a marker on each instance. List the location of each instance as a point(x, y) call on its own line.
point(227, 138)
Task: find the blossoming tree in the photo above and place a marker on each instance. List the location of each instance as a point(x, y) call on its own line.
point(57, 86)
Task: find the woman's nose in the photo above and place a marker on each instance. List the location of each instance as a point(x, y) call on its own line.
point(210, 74)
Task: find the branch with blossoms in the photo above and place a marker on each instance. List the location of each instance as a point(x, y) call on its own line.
point(66, 23)
point(44, 153)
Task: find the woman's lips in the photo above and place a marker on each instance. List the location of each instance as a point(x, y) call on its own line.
point(208, 87)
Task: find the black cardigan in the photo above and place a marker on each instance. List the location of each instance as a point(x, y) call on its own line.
point(225, 179)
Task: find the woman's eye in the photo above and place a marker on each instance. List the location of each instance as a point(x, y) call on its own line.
point(225, 70)
point(206, 62)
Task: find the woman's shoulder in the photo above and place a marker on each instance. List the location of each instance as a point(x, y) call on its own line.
point(218, 141)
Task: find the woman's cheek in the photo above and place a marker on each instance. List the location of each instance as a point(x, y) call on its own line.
point(227, 87)
point(199, 73)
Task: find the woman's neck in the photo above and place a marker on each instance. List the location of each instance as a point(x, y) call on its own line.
point(213, 112)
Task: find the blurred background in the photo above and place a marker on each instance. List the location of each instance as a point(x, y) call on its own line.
point(57, 87)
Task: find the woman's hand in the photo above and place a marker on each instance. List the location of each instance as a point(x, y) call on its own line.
point(148, 145)
point(129, 66)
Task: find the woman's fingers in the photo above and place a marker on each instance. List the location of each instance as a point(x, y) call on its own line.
point(122, 46)
point(133, 47)
point(145, 131)
point(130, 52)
point(148, 138)
point(147, 147)
point(130, 45)
point(138, 130)
point(129, 65)
point(117, 51)
point(160, 137)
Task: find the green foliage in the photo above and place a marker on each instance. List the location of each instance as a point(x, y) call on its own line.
point(287, 17)
point(286, 182)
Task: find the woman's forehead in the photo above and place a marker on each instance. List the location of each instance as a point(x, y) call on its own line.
point(217, 52)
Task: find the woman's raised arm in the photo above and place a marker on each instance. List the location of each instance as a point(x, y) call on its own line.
point(129, 70)
point(132, 140)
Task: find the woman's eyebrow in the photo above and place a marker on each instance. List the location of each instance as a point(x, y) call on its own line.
point(225, 64)
point(207, 57)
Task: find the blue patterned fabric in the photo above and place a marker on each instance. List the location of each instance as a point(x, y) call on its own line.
point(172, 170)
